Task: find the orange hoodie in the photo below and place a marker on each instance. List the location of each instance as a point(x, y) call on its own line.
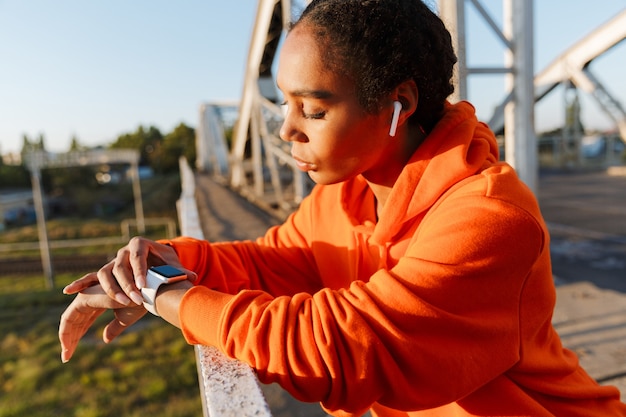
point(442, 307)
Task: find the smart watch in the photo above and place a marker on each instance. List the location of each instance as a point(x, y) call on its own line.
point(157, 276)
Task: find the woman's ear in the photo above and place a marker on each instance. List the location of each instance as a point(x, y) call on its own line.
point(397, 108)
point(407, 95)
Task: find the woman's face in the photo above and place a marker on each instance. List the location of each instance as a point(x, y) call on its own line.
point(333, 138)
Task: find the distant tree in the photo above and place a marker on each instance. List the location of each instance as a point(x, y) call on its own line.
point(61, 179)
point(573, 122)
point(228, 135)
point(186, 136)
point(14, 176)
point(146, 141)
point(41, 143)
point(69, 178)
point(179, 142)
point(27, 145)
point(33, 145)
point(75, 145)
point(130, 140)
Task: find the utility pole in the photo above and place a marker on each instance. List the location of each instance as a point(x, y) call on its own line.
point(44, 247)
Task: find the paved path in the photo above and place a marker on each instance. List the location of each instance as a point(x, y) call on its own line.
point(586, 214)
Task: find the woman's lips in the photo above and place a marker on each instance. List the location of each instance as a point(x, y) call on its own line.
point(303, 165)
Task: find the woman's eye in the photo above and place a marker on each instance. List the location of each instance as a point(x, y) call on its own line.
point(318, 115)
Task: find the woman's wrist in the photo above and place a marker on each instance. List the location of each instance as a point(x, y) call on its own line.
point(168, 299)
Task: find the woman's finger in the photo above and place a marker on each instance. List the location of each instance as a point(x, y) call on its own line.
point(75, 322)
point(81, 283)
point(109, 279)
point(124, 318)
point(139, 252)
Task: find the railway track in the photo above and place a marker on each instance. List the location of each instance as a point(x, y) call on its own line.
point(61, 264)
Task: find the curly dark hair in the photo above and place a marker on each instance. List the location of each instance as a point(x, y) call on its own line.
point(382, 43)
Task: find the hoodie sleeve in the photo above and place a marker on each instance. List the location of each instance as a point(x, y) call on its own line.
point(279, 263)
point(418, 335)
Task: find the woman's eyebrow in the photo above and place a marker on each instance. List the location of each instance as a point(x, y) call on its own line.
point(317, 94)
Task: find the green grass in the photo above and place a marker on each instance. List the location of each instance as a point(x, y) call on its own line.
point(149, 370)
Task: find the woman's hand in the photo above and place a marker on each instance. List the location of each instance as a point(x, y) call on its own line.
point(123, 277)
point(88, 305)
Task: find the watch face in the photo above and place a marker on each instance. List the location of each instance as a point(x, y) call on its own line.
point(167, 271)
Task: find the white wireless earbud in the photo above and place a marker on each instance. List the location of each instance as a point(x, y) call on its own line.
point(397, 107)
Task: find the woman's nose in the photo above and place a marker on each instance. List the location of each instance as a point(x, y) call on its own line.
point(289, 131)
point(286, 130)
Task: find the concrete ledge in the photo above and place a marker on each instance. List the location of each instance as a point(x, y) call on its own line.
point(229, 388)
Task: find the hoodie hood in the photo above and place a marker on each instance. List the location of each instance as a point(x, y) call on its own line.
point(458, 147)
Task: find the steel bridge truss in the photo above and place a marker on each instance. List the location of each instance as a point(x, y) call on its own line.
point(258, 164)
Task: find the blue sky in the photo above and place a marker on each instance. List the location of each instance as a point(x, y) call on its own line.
point(97, 69)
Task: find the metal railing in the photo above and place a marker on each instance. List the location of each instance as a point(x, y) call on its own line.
point(264, 172)
point(228, 388)
point(577, 151)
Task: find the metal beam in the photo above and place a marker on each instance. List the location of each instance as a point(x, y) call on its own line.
point(520, 142)
point(452, 12)
point(581, 54)
point(266, 31)
point(517, 37)
point(573, 66)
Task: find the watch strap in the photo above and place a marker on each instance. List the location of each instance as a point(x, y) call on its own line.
point(149, 298)
point(149, 293)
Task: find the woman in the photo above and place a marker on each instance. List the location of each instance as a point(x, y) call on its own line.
point(414, 280)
